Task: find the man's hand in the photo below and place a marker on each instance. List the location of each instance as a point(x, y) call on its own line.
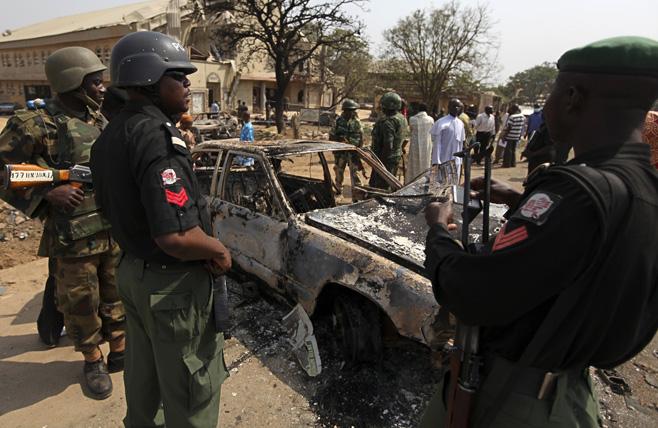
point(65, 197)
point(501, 192)
point(440, 213)
point(220, 265)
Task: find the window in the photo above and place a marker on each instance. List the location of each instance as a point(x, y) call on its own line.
point(44, 56)
point(204, 167)
point(305, 181)
point(106, 55)
point(250, 187)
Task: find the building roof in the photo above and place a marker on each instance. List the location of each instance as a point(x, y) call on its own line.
point(120, 15)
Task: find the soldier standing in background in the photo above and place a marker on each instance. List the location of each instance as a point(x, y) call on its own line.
point(347, 130)
point(75, 234)
point(387, 137)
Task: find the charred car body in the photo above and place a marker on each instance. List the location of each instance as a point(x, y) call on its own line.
point(215, 126)
point(359, 255)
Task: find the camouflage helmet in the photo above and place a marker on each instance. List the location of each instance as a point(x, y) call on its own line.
point(349, 105)
point(141, 58)
point(391, 101)
point(66, 68)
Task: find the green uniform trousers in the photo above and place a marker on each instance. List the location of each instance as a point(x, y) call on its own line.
point(87, 296)
point(391, 165)
point(340, 162)
point(572, 404)
point(174, 356)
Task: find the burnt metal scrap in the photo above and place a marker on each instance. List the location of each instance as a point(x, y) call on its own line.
point(394, 226)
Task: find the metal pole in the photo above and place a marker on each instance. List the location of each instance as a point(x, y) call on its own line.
point(467, 195)
point(487, 196)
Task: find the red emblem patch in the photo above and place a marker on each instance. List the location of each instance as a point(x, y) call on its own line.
point(505, 239)
point(536, 206)
point(176, 198)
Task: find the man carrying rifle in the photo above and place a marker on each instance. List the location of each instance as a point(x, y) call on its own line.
point(76, 236)
point(347, 130)
point(583, 239)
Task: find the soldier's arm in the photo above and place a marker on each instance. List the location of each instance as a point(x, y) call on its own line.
point(18, 144)
point(388, 137)
point(529, 263)
point(168, 190)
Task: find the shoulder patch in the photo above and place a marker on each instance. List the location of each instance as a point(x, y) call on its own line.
point(538, 207)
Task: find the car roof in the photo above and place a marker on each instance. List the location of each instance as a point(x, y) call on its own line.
point(274, 148)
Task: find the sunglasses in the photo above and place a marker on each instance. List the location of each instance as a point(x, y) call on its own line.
point(177, 75)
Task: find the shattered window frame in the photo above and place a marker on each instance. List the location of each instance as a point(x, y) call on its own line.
point(275, 207)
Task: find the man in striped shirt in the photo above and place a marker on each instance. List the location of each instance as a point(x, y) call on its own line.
point(512, 134)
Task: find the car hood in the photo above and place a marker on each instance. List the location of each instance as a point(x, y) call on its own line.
point(394, 225)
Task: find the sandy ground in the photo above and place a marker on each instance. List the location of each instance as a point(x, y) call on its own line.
point(40, 387)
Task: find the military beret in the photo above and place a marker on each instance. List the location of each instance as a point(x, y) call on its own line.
point(619, 55)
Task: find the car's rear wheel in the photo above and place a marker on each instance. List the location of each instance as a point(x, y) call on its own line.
point(357, 323)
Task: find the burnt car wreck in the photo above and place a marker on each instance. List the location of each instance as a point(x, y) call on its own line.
point(358, 255)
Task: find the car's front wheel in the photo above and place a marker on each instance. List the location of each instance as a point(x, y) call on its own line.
point(357, 323)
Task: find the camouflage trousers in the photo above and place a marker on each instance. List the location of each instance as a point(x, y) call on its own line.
point(340, 162)
point(87, 296)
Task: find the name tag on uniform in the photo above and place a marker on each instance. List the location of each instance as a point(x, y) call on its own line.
point(177, 141)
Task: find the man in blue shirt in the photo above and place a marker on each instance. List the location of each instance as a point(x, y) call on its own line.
point(534, 121)
point(246, 136)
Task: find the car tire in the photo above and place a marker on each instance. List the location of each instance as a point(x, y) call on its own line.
point(357, 325)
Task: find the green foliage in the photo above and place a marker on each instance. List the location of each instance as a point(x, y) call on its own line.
point(433, 46)
point(531, 85)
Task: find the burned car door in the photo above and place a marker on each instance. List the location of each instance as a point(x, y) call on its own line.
point(248, 217)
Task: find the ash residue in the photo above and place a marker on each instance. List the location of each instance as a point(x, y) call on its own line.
point(391, 393)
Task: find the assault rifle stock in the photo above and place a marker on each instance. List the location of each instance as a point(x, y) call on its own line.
point(18, 176)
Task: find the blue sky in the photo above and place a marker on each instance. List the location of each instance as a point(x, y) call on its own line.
point(529, 32)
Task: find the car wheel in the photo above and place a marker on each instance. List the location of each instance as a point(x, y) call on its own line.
point(358, 328)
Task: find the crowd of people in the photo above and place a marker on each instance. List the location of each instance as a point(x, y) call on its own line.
point(569, 282)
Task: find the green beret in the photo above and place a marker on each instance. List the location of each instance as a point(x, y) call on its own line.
point(618, 55)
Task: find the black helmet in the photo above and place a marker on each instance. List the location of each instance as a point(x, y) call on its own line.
point(141, 58)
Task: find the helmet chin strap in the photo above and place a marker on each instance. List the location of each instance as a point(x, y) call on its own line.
point(81, 95)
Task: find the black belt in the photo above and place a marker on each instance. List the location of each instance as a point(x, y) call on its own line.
point(164, 266)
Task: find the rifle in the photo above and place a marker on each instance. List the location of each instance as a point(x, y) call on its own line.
point(465, 360)
point(18, 176)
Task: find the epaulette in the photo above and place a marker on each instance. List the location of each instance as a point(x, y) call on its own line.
point(536, 173)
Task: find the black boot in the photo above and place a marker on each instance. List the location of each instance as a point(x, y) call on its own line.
point(115, 361)
point(97, 379)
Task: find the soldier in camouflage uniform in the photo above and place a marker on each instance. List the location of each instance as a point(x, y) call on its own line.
point(347, 130)
point(75, 233)
point(387, 135)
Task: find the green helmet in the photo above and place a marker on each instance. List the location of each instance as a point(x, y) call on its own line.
point(391, 101)
point(350, 105)
point(67, 67)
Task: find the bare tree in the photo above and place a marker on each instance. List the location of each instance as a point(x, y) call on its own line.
point(347, 68)
point(432, 46)
point(290, 33)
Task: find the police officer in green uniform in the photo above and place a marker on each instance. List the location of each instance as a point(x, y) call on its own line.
point(76, 236)
point(582, 242)
point(387, 137)
point(143, 175)
point(347, 130)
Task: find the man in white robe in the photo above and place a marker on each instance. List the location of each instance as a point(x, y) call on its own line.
point(448, 135)
point(420, 147)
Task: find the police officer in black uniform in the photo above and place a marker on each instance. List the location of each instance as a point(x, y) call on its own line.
point(143, 174)
point(571, 281)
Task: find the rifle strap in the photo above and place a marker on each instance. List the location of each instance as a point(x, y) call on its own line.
point(611, 198)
